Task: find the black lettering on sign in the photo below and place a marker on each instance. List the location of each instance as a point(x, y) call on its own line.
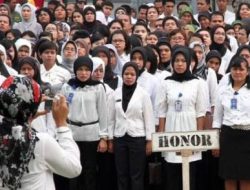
point(206, 140)
point(195, 140)
point(174, 141)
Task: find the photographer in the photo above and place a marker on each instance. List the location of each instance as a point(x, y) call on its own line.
point(28, 159)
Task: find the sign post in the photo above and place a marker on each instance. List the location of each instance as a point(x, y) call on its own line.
point(185, 143)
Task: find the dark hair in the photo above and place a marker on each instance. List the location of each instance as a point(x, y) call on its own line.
point(44, 9)
point(170, 18)
point(96, 37)
point(126, 38)
point(152, 59)
point(197, 35)
point(77, 11)
point(140, 24)
point(103, 29)
point(217, 13)
point(28, 33)
point(135, 40)
point(61, 5)
point(166, 1)
point(176, 31)
point(115, 21)
point(16, 33)
point(237, 15)
point(53, 2)
point(45, 34)
point(8, 44)
point(127, 8)
point(153, 7)
point(76, 26)
point(246, 28)
point(241, 48)
point(80, 34)
point(108, 3)
point(47, 45)
point(143, 6)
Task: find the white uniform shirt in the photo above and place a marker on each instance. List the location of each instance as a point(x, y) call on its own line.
point(229, 17)
point(225, 60)
point(62, 158)
point(223, 114)
point(192, 95)
point(212, 86)
point(138, 120)
point(56, 76)
point(87, 105)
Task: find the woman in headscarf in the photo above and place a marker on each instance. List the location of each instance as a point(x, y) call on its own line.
point(181, 109)
point(165, 54)
point(28, 159)
point(69, 54)
point(113, 80)
point(220, 43)
point(87, 98)
point(3, 57)
point(90, 23)
point(133, 129)
point(28, 20)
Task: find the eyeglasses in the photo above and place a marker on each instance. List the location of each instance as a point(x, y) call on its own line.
point(118, 41)
point(177, 38)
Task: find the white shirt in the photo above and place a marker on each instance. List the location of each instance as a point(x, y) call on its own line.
point(223, 114)
point(193, 105)
point(229, 17)
point(56, 76)
point(10, 70)
point(225, 60)
point(62, 158)
point(212, 86)
point(87, 105)
point(233, 44)
point(138, 120)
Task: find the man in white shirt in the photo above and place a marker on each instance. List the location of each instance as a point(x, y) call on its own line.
point(229, 16)
point(168, 9)
point(50, 71)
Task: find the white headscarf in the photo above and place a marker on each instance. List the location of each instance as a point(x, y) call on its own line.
point(23, 42)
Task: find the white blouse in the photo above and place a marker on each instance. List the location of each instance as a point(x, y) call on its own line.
point(87, 105)
point(181, 103)
point(62, 158)
point(138, 120)
point(224, 114)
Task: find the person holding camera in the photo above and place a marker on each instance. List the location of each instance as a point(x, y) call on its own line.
point(28, 158)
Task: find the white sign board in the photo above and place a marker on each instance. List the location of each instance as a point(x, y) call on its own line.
point(190, 140)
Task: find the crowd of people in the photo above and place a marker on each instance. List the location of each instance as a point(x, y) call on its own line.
point(83, 86)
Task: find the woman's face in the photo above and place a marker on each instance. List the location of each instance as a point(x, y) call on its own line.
point(152, 14)
point(10, 36)
point(165, 53)
point(23, 52)
point(104, 57)
point(206, 37)
point(3, 11)
point(152, 39)
point(26, 13)
point(77, 17)
point(60, 13)
point(138, 59)
point(244, 11)
point(44, 17)
point(186, 18)
point(177, 39)
point(115, 26)
point(242, 36)
point(214, 63)
point(219, 36)
point(180, 64)
point(199, 52)
point(141, 31)
point(119, 12)
point(98, 74)
point(89, 17)
point(129, 76)
point(11, 51)
point(239, 74)
point(83, 73)
point(119, 42)
point(27, 70)
point(52, 29)
point(69, 51)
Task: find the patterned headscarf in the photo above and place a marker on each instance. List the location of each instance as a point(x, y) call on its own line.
point(19, 100)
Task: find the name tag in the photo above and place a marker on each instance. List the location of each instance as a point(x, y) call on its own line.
point(178, 105)
point(70, 97)
point(233, 103)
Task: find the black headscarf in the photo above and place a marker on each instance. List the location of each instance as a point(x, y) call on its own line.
point(79, 62)
point(222, 48)
point(90, 26)
point(187, 75)
point(128, 90)
point(143, 52)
